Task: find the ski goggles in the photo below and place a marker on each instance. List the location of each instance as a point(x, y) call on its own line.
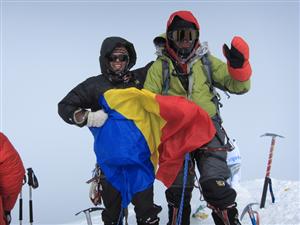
point(183, 34)
point(120, 58)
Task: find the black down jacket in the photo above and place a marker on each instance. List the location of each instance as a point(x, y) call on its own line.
point(86, 94)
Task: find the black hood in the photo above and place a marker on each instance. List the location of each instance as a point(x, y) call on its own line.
point(108, 45)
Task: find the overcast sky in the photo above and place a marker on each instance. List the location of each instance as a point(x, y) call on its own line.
point(48, 47)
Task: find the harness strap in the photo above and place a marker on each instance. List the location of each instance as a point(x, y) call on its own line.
point(222, 213)
point(174, 216)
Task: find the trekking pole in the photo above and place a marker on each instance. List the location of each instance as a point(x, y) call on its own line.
point(268, 181)
point(33, 184)
point(21, 202)
point(87, 213)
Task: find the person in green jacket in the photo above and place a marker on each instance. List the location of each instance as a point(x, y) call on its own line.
point(184, 67)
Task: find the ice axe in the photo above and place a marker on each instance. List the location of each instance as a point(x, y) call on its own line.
point(248, 209)
point(87, 213)
point(268, 181)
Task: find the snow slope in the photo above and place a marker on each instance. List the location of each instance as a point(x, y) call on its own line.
point(285, 210)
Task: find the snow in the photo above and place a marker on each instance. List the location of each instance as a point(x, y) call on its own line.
point(285, 210)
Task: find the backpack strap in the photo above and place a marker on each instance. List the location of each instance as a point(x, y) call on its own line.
point(228, 146)
point(165, 77)
point(208, 72)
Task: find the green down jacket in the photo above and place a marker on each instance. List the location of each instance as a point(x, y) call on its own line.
point(200, 92)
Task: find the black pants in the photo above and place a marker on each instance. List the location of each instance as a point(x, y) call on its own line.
point(214, 172)
point(142, 201)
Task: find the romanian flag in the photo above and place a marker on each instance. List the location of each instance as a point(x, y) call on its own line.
point(143, 132)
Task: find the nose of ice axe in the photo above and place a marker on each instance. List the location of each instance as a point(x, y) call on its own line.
point(271, 135)
point(248, 209)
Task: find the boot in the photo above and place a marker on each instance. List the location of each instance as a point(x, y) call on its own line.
point(151, 216)
point(149, 221)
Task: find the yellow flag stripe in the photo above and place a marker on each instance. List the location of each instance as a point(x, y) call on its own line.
point(141, 107)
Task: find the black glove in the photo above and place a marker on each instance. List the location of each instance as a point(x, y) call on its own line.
point(235, 57)
point(7, 217)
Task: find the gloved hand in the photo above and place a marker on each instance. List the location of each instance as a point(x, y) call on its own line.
point(96, 119)
point(80, 117)
point(238, 59)
point(95, 192)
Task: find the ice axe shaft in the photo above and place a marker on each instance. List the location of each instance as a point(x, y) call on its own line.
point(267, 181)
point(88, 217)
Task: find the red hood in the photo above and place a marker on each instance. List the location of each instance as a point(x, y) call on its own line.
point(185, 15)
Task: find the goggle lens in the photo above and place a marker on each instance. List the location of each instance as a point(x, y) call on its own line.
point(183, 34)
point(121, 58)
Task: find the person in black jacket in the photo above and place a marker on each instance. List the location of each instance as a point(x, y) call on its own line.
point(80, 107)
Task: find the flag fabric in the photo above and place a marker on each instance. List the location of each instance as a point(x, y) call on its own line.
point(146, 131)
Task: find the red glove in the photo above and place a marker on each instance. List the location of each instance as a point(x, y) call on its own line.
point(238, 59)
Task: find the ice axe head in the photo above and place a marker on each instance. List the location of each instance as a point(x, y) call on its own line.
point(88, 215)
point(271, 135)
point(89, 210)
point(247, 209)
